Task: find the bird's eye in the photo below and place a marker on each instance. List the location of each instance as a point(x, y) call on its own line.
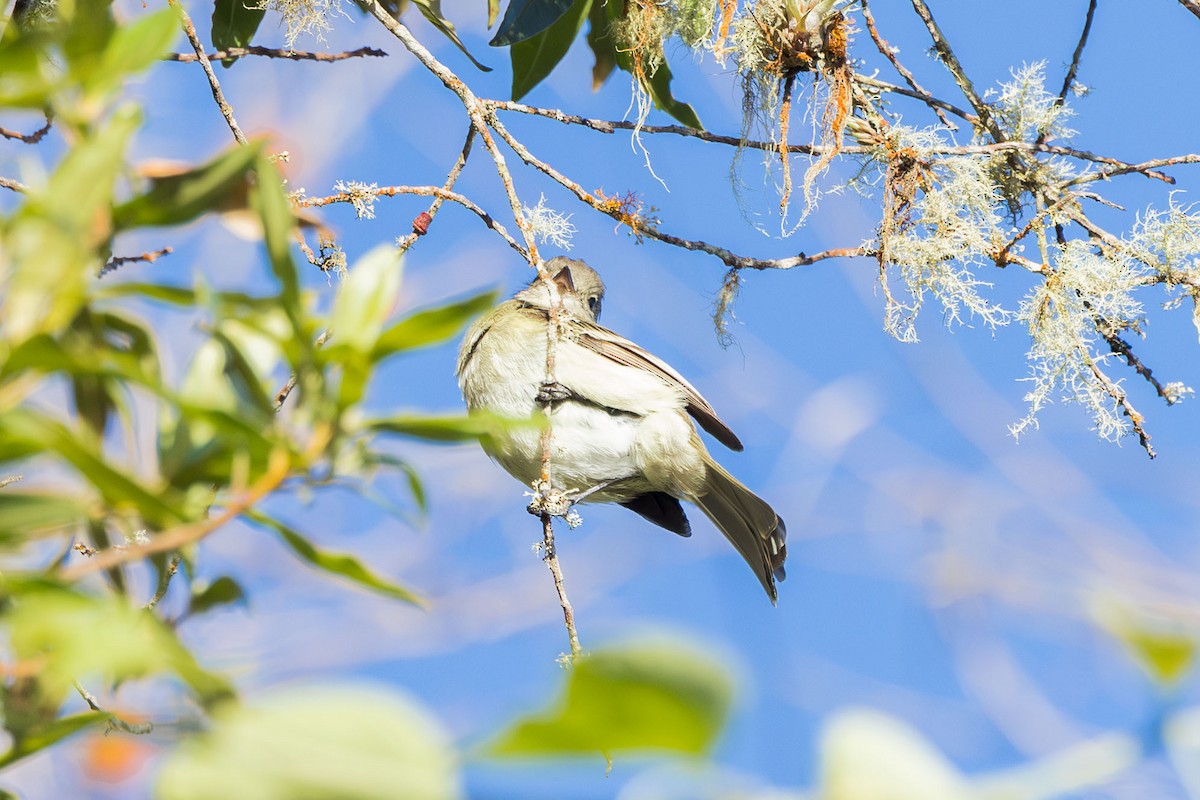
point(594, 306)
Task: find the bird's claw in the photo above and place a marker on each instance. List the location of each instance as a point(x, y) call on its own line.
point(552, 392)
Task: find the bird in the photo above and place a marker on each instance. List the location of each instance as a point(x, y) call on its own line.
point(621, 418)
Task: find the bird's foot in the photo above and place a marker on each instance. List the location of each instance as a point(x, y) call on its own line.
point(552, 392)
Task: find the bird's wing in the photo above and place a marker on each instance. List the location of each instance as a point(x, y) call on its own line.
point(617, 348)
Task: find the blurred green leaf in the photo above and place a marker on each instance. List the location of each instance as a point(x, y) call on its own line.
point(460, 428)
point(23, 427)
point(278, 220)
point(366, 298)
point(339, 564)
point(49, 735)
point(524, 19)
point(70, 635)
point(867, 755)
point(599, 38)
point(178, 198)
point(26, 515)
point(1181, 734)
point(1164, 649)
point(654, 697)
point(234, 23)
point(223, 591)
point(493, 11)
point(534, 58)
point(431, 326)
point(53, 241)
point(432, 11)
point(352, 743)
point(27, 77)
point(134, 47)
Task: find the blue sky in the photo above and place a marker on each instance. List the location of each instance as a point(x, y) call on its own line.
point(938, 570)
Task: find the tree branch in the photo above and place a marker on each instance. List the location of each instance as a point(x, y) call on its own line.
point(233, 53)
point(218, 95)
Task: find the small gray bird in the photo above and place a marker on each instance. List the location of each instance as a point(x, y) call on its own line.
point(619, 416)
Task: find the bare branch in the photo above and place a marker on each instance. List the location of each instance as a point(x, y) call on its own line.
point(1118, 394)
point(16, 186)
point(426, 191)
point(422, 223)
point(218, 95)
point(946, 54)
point(232, 53)
point(114, 722)
point(29, 138)
point(1073, 70)
point(164, 581)
point(886, 50)
point(150, 257)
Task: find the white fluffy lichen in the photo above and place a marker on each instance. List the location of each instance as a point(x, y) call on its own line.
point(938, 237)
point(548, 225)
point(304, 17)
point(1087, 293)
point(1025, 110)
point(361, 195)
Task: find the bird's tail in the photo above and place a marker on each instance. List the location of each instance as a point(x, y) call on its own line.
point(747, 521)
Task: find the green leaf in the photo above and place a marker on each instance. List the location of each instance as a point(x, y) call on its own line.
point(535, 57)
point(49, 735)
point(525, 19)
point(600, 39)
point(278, 220)
point(867, 754)
point(493, 7)
point(223, 591)
point(653, 697)
point(365, 299)
point(659, 88)
point(176, 199)
point(234, 23)
point(340, 564)
point(431, 326)
point(71, 635)
point(53, 241)
point(133, 48)
point(458, 428)
point(23, 427)
point(432, 11)
point(353, 743)
point(27, 515)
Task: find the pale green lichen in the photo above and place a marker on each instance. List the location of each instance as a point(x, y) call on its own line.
point(304, 17)
point(361, 195)
point(945, 232)
point(1087, 292)
point(548, 225)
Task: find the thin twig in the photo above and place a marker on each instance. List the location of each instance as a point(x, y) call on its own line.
point(136, 728)
point(29, 138)
point(16, 186)
point(478, 113)
point(1146, 168)
point(419, 229)
point(150, 257)
point(218, 95)
point(176, 538)
point(427, 191)
point(924, 97)
point(164, 582)
point(886, 50)
point(1118, 395)
point(10, 480)
point(1073, 70)
point(551, 558)
point(282, 395)
point(232, 53)
point(947, 56)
